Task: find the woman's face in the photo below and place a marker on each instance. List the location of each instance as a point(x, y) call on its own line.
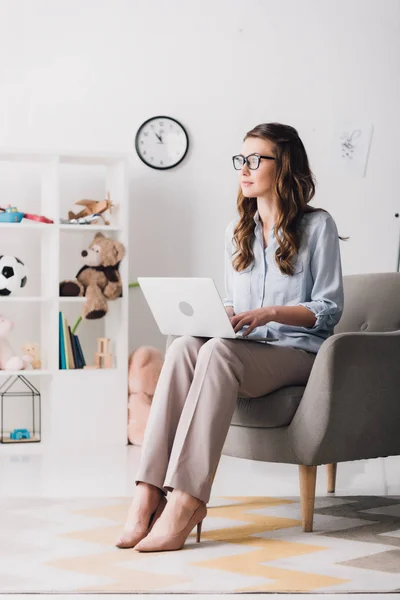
point(259, 182)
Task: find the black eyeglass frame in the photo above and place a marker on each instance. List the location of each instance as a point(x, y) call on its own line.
point(259, 156)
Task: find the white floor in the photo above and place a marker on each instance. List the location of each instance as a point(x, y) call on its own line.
point(32, 470)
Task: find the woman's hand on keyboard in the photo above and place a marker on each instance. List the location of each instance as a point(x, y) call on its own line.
point(252, 318)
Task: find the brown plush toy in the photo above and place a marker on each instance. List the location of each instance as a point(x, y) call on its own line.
point(145, 365)
point(99, 279)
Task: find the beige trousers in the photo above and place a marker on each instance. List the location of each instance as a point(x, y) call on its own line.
point(194, 401)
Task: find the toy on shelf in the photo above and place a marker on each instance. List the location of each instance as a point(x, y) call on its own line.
point(93, 208)
point(20, 434)
point(32, 349)
point(144, 370)
point(8, 359)
point(102, 358)
point(11, 214)
point(99, 279)
point(12, 275)
point(89, 220)
point(19, 386)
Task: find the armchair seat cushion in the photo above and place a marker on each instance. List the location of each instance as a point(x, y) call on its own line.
point(276, 409)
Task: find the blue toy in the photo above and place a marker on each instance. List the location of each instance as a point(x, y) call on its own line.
point(20, 434)
point(11, 215)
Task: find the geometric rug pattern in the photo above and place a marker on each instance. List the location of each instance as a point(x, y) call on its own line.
point(248, 544)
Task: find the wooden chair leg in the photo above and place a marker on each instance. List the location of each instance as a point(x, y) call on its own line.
point(331, 477)
point(308, 478)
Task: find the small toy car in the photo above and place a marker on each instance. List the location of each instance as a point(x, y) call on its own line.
point(20, 434)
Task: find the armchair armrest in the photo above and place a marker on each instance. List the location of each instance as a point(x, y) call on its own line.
point(350, 409)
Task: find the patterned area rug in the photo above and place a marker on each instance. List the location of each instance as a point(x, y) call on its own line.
point(249, 544)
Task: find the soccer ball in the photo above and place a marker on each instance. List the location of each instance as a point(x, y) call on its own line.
point(12, 275)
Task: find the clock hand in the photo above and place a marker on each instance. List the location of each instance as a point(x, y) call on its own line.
point(159, 137)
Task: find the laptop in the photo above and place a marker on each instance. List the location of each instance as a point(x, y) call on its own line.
point(190, 306)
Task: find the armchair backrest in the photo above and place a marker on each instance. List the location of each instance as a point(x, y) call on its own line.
point(371, 303)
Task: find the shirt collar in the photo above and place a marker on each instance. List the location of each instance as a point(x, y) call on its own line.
point(258, 223)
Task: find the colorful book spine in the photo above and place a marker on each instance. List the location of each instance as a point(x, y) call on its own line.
point(69, 348)
point(62, 359)
point(70, 354)
point(68, 358)
point(71, 342)
point(65, 343)
point(78, 360)
point(80, 352)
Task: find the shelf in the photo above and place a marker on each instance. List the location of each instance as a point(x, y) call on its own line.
point(35, 225)
point(32, 439)
point(28, 224)
point(37, 372)
point(82, 299)
point(25, 299)
point(26, 372)
point(72, 299)
point(74, 227)
point(111, 369)
point(49, 183)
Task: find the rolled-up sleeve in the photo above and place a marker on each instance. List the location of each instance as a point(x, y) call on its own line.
point(327, 298)
point(228, 275)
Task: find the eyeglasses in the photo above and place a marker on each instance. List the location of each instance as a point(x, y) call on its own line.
point(252, 161)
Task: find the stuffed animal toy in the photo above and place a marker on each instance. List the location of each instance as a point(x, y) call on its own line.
point(99, 279)
point(144, 369)
point(32, 350)
point(8, 359)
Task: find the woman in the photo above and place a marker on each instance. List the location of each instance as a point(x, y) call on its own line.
point(283, 276)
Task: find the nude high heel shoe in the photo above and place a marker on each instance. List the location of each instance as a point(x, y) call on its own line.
point(130, 539)
point(153, 543)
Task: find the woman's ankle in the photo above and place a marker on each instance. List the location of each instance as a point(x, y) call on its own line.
point(148, 489)
point(186, 499)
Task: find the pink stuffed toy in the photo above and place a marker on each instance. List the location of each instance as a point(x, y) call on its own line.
point(8, 360)
point(144, 369)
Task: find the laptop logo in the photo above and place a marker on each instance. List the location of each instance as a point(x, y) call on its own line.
point(186, 308)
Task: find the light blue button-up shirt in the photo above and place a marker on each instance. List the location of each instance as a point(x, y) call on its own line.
point(316, 284)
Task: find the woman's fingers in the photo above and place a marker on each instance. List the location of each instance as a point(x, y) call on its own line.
point(248, 330)
point(241, 323)
point(238, 318)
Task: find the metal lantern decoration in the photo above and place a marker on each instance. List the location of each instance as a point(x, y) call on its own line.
point(30, 398)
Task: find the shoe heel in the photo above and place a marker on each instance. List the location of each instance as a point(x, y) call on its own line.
point(199, 531)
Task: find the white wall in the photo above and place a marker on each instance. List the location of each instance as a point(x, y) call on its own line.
point(84, 74)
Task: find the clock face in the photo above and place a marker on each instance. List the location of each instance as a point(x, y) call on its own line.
point(161, 142)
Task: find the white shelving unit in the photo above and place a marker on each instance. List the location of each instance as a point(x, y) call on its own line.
point(80, 407)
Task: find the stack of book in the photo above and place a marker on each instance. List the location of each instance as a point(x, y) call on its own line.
point(70, 350)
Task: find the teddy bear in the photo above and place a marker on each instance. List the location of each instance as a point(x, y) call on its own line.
point(144, 369)
point(8, 359)
point(32, 349)
point(99, 279)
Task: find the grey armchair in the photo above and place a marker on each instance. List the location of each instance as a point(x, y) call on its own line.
point(350, 407)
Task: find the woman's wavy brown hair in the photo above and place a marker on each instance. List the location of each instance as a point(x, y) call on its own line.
point(294, 186)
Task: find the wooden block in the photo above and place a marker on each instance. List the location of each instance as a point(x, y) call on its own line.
point(108, 361)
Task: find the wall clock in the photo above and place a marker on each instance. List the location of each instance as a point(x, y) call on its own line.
point(161, 142)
